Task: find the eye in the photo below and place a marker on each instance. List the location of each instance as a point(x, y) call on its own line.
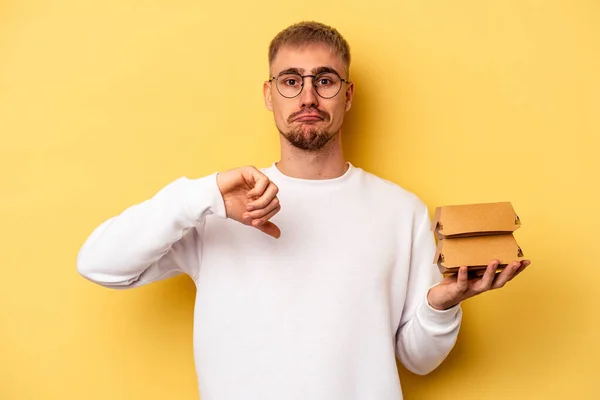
point(326, 80)
point(290, 80)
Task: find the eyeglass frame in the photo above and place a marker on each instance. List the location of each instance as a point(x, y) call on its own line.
point(314, 77)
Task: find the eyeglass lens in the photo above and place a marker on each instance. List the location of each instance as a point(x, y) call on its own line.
point(326, 84)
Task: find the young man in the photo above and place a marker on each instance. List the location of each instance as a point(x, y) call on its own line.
point(311, 274)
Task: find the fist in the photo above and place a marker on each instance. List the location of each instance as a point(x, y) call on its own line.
point(250, 198)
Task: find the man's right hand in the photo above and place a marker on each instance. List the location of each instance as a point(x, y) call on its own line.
point(250, 198)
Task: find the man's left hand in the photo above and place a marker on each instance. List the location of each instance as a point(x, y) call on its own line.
point(458, 287)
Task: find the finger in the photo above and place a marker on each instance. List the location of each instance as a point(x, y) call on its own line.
point(270, 229)
point(263, 220)
point(259, 187)
point(488, 276)
point(524, 264)
point(506, 275)
point(256, 214)
point(462, 281)
point(268, 196)
point(252, 176)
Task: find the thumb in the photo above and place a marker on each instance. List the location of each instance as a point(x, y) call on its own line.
point(270, 229)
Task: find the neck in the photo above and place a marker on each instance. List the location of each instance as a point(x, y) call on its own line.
point(326, 163)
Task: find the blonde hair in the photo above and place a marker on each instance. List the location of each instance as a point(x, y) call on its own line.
point(311, 32)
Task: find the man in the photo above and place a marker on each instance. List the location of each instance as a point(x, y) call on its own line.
point(311, 274)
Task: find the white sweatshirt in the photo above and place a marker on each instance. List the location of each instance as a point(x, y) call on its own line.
point(319, 313)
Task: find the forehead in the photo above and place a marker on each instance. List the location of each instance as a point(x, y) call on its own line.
point(306, 58)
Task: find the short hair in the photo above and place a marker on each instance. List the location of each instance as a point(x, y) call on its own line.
point(311, 32)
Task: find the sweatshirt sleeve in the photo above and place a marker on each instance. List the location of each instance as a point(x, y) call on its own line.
point(426, 335)
point(155, 239)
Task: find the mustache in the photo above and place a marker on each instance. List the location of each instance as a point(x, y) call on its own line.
point(311, 110)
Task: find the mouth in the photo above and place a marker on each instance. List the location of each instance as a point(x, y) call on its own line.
point(308, 118)
point(310, 115)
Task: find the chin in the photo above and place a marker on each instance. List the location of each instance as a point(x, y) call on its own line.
point(311, 139)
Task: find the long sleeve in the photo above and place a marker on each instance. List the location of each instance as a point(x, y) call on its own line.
point(152, 240)
point(426, 336)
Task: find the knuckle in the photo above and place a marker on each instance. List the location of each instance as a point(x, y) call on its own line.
point(257, 214)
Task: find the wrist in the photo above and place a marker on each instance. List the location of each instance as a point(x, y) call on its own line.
point(438, 305)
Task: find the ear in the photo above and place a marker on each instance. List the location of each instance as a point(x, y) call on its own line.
point(349, 96)
point(267, 94)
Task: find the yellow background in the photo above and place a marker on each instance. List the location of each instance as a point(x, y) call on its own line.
point(104, 102)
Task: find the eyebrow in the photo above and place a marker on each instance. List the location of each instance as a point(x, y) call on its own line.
point(314, 71)
point(322, 70)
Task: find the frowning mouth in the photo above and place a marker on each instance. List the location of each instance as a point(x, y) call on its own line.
point(310, 115)
point(308, 118)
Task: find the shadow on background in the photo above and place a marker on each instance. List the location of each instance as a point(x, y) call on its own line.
point(358, 134)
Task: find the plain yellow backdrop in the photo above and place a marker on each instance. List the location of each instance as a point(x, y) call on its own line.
point(102, 103)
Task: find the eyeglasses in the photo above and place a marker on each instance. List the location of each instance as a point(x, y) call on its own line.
point(326, 84)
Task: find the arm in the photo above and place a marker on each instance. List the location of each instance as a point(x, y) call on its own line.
point(426, 335)
point(154, 239)
point(157, 239)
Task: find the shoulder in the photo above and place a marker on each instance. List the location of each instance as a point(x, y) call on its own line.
point(390, 195)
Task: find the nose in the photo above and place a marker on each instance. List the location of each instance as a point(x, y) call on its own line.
point(308, 96)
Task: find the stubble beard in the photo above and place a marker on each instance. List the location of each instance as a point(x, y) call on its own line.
point(311, 139)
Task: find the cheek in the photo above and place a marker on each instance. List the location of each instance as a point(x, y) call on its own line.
point(280, 111)
point(337, 111)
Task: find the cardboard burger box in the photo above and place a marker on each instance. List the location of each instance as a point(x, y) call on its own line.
point(476, 252)
point(475, 234)
point(475, 220)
